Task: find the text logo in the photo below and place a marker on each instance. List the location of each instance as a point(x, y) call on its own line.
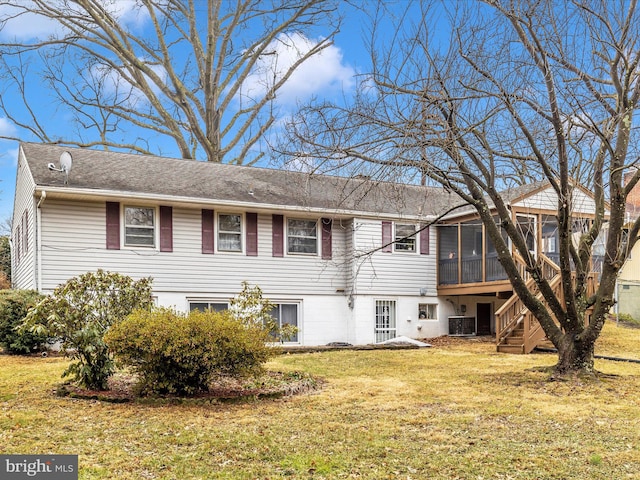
point(45, 467)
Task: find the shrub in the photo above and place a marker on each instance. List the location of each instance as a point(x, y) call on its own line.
point(177, 353)
point(80, 312)
point(14, 305)
point(249, 307)
point(5, 259)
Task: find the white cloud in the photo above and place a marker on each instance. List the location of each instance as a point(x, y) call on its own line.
point(21, 24)
point(322, 74)
point(128, 12)
point(10, 157)
point(7, 128)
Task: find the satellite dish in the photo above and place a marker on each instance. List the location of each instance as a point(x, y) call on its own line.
point(65, 165)
point(66, 162)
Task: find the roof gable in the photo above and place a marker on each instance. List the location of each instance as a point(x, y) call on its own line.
point(536, 196)
point(544, 197)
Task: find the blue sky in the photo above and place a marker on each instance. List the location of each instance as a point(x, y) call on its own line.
point(332, 74)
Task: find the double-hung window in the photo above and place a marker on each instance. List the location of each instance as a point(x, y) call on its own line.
point(302, 236)
point(140, 226)
point(405, 238)
point(229, 232)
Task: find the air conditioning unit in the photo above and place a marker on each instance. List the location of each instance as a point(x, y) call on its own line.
point(460, 325)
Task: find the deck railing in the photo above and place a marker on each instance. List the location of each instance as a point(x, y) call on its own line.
point(471, 269)
point(494, 269)
point(453, 271)
point(448, 271)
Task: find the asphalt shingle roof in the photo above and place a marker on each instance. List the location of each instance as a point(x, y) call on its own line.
point(101, 171)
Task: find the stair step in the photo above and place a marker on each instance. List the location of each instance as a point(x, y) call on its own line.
point(517, 349)
point(514, 340)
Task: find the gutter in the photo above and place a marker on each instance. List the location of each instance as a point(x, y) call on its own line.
point(70, 192)
point(43, 197)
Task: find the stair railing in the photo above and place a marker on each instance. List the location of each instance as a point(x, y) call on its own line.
point(509, 315)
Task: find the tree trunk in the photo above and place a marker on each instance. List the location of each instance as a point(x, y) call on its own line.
point(574, 356)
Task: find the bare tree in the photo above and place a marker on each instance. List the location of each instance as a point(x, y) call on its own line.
point(519, 91)
point(203, 74)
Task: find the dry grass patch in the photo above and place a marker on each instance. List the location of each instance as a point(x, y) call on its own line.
point(450, 412)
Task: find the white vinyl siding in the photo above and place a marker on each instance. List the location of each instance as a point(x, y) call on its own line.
point(74, 239)
point(381, 273)
point(24, 233)
point(547, 199)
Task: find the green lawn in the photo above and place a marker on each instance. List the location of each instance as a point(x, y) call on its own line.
point(461, 411)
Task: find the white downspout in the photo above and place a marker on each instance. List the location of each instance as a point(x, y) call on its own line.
point(43, 197)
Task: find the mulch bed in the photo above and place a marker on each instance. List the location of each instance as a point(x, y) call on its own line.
point(122, 388)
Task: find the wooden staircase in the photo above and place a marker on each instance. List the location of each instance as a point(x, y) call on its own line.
point(517, 329)
point(515, 341)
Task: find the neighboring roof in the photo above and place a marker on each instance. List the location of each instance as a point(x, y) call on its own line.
point(98, 172)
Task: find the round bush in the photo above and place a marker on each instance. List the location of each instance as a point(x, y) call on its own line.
point(176, 353)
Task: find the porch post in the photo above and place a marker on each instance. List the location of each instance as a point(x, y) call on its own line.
point(484, 254)
point(459, 253)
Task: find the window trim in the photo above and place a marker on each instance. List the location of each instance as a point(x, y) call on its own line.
point(427, 305)
point(25, 233)
point(208, 301)
point(318, 238)
point(218, 231)
point(156, 226)
point(17, 237)
point(298, 304)
point(414, 237)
